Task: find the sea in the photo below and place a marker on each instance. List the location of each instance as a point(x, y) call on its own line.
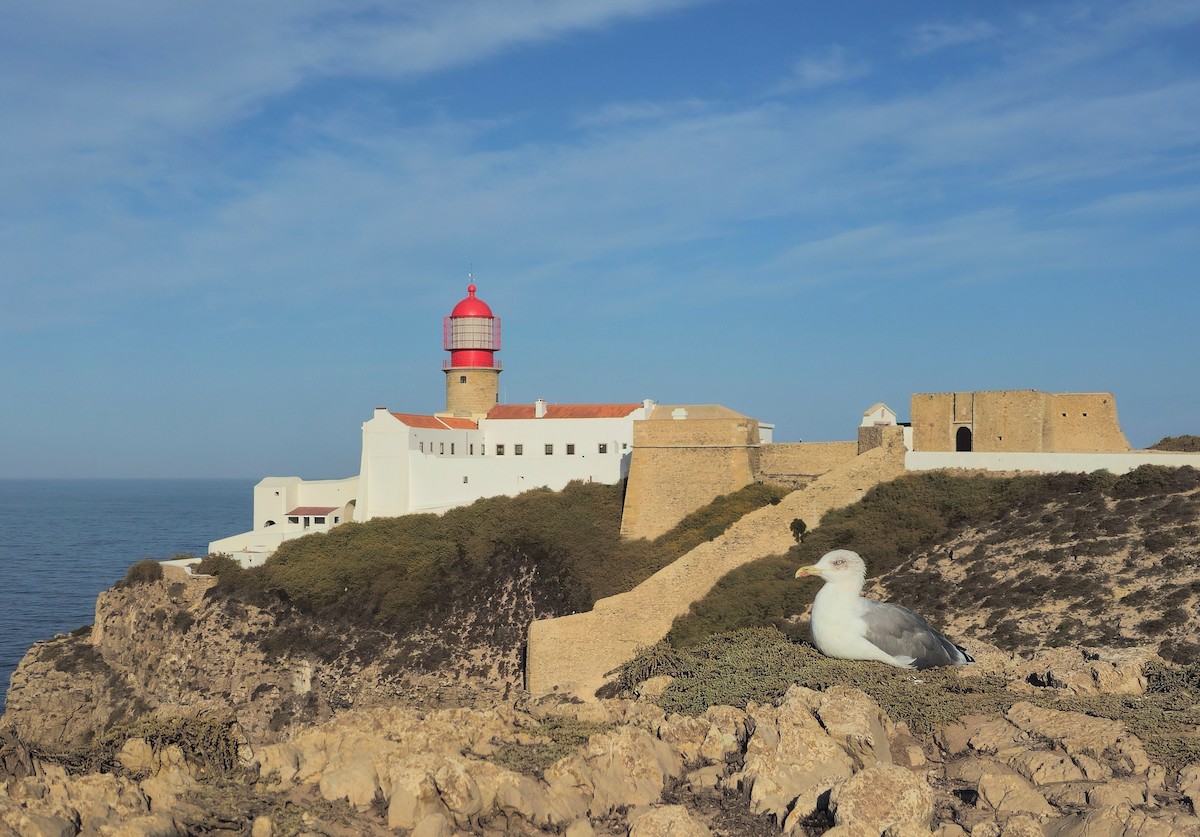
point(64, 541)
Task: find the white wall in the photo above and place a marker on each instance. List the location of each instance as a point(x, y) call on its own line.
point(274, 497)
point(1118, 463)
point(383, 472)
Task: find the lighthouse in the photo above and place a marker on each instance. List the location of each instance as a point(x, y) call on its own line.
point(471, 334)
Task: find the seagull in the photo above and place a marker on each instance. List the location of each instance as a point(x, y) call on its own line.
point(850, 627)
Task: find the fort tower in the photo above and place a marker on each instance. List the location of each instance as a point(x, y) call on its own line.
point(471, 334)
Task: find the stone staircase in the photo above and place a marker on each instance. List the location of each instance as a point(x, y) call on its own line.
point(575, 654)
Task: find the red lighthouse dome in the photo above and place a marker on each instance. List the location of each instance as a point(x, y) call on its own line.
point(471, 334)
point(471, 306)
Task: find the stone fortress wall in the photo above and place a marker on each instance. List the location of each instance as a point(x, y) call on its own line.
point(576, 654)
point(1025, 421)
point(797, 464)
point(683, 460)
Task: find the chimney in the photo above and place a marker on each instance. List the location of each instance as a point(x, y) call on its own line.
point(539, 408)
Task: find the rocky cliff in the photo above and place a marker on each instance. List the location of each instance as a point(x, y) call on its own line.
point(171, 648)
point(180, 712)
point(816, 762)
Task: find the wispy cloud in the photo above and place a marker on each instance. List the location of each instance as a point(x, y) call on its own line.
point(351, 192)
point(828, 66)
point(932, 37)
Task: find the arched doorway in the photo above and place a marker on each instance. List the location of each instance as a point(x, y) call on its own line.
point(962, 439)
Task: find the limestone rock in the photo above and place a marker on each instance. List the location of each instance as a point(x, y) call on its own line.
point(580, 828)
point(1008, 794)
point(726, 732)
point(685, 735)
point(1043, 767)
point(163, 789)
point(790, 759)
point(1079, 734)
point(1188, 783)
point(883, 798)
point(434, 825)
point(854, 720)
point(1116, 792)
point(1124, 821)
point(146, 825)
point(996, 736)
point(136, 755)
point(667, 821)
point(627, 766)
point(411, 796)
point(17, 821)
point(1022, 825)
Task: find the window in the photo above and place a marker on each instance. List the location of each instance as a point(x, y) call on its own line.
point(499, 450)
point(452, 448)
point(318, 520)
point(602, 447)
point(549, 450)
point(518, 450)
point(462, 379)
point(441, 447)
point(464, 480)
point(624, 445)
point(570, 450)
point(422, 447)
point(472, 449)
point(336, 520)
point(293, 519)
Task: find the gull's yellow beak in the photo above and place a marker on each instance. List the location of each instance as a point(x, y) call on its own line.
point(804, 572)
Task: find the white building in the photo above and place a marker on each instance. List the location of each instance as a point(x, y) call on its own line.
point(430, 463)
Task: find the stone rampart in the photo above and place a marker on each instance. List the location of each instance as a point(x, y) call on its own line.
point(680, 464)
point(1084, 422)
point(1016, 421)
point(799, 463)
point(575, 654)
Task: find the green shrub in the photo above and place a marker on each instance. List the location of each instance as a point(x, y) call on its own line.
point(798, 527)
point(395, 572)
point(914, 513)
point(1183, 444)
point(146, 571)
point(1148, 480)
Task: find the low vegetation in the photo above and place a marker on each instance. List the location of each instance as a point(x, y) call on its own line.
point(919, 512)
point(145, 571)
point(392, 572)
point(1182, 444)
point(209, 745)
point(760, 664)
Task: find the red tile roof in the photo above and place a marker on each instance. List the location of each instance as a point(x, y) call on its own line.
point(563, 411)
point(312, 511)
point(436, 422)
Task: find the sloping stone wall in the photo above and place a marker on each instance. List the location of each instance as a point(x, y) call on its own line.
point(574, 654)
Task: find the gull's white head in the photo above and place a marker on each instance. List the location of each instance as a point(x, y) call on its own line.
point(837, 565)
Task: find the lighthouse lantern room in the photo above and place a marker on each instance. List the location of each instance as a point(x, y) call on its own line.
point(471, 334)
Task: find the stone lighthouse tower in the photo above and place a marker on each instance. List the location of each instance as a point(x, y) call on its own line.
point(471, 334)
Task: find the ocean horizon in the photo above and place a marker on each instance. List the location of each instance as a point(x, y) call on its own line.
point(63, 541)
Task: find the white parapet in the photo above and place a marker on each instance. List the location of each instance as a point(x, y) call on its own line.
point(1046, 463)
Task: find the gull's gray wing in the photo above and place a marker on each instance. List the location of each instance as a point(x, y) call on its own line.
point(900, 632)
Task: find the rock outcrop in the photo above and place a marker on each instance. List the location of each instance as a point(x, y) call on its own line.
point(828, 762)
point(169, 648)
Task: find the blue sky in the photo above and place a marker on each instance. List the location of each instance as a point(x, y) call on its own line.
point(229, 230)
